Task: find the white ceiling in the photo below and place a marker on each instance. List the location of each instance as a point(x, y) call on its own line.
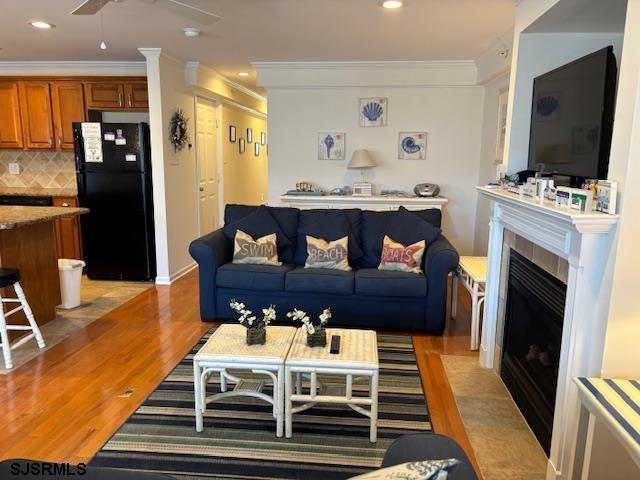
point(259, 30)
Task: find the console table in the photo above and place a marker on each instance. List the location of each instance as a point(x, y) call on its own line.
point(376, 202)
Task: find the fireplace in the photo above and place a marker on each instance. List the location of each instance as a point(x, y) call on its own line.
point(532, 340)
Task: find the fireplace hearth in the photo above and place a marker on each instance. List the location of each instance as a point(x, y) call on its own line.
point(532, 341)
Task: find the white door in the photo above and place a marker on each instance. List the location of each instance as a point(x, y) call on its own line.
point(206, 148)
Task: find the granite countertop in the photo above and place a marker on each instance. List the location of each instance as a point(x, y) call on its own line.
point(39, 191)
point(16, 217)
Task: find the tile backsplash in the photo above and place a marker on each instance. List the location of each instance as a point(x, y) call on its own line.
point(41, 169)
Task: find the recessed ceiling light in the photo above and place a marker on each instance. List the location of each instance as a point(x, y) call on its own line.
point(243, 74)
point(391, 4)
point(191, 32)
point(42, 25)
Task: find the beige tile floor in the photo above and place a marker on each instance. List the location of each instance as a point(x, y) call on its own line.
point(97, 299)
point(504, 445)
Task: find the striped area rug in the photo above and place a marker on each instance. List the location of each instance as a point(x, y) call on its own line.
point(329, 441)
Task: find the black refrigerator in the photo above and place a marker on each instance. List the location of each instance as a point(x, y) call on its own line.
point(113, 168)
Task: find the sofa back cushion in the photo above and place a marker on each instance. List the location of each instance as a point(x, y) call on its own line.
point(286, 219)
point(329, 225)
point(404, 226)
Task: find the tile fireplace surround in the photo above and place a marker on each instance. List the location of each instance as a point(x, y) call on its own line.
point(572, 247)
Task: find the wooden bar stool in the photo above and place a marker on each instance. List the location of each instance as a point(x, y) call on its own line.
point(472, 272)
point(10, 277)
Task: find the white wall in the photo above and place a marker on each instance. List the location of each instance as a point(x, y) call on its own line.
point(487, 168)
point(452, 116)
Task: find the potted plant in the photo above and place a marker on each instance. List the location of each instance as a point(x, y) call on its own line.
point(316, 332)
point(256, 327)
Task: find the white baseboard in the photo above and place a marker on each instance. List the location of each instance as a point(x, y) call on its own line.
point(168, 280)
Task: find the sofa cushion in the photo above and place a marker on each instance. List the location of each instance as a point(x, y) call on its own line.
point(258, 223)
point(329, 225)
point(402, 225)
point(407, 227)
point(319, 280)
point(266, 278)
point(431, 215)
point(385, 283)
point(286, 217)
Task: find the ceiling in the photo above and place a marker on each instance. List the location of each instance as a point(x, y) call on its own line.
point(581, 16)
point(259, 30)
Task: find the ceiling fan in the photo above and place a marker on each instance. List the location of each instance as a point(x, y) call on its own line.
point(91, 7)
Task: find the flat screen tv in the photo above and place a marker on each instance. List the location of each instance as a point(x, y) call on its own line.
point(572, 117)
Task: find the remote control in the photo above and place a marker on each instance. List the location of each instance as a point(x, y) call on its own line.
point(335, 344)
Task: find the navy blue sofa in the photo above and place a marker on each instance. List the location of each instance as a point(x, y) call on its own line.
point(365, 297)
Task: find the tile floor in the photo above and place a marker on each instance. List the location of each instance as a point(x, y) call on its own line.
point(504, 446)
point(98, 298)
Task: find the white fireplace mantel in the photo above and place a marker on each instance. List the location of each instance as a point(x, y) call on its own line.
point(584, 240)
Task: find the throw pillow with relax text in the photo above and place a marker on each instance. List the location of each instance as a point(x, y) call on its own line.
point(263, 251)
point(332, 255)
point(401, 258)
point(426, 470)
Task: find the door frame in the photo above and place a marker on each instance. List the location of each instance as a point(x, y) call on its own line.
point(217, 105)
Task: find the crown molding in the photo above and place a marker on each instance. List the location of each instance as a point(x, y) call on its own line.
point(101, 68)
point(454, 73)
point(192, 69)
point(365, 65)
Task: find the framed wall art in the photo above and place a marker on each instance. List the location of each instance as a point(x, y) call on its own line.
point(241, 146)
point(232, 133)
point(256, 149)
point(331, 145)
point(412, 145)
point(263, 138)
point(373, 112)
point(249, 135)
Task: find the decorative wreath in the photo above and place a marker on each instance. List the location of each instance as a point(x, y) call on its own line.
point(178, 130)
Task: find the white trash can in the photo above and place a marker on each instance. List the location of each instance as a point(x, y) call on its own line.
point(70, 278)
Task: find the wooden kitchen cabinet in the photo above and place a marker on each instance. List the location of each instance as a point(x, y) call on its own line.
point(137, 95)
point(10, 123)
point(67, 102)
point(100, 95)
point(68, 239)
point(35, 113)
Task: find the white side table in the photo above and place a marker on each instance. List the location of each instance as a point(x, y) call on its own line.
point(472, 272)
point(227, 350)
point(358, 357)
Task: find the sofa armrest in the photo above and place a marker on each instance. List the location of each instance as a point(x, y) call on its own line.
point(440, 258)
point(210, 251)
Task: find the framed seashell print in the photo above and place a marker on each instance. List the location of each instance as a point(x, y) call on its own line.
point(331, 145)
point(412, 145)
point(373, 112)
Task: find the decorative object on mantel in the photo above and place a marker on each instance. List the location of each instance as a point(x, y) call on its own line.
point(232, 133)
point(412, 145)
point(362, 160)
point(574, 198)
point(306, 188)
point(606, 194)
point(426, 190)
point(178, 131)
point(249, 135)
point(341, 191)
point(241, 146)
point(373, 112)
point(256, 327)
point(331, 145)
point(316, 332)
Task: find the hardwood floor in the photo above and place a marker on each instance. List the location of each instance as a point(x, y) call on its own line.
point(65, 404)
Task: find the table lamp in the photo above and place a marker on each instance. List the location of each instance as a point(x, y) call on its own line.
point(361, 160)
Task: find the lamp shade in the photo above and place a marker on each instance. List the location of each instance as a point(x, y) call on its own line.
point(361, 159)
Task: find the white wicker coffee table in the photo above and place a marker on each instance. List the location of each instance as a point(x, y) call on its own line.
point(358, 357)
point(227, 350)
